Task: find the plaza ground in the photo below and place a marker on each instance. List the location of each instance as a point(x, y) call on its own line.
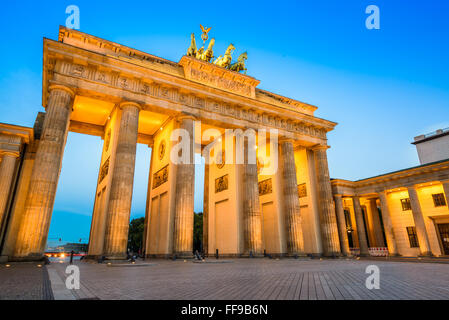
point(239, 279)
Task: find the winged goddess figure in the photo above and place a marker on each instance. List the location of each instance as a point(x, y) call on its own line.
point(205, 30)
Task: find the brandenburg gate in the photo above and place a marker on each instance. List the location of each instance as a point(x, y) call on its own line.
point(97, 87)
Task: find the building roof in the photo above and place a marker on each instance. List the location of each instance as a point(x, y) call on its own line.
point(430, 136)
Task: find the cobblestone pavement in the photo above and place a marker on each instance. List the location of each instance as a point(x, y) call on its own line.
point(24, 281)
point(253, 279)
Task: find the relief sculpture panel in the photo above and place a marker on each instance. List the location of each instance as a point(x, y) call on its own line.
point(160, 177)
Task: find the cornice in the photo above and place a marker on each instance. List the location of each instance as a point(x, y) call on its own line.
point(387, 181)
point(25, 133)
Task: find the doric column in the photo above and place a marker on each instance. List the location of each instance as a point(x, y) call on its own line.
point(185, 185)
point(420, 225)
point(206, 211)
point(375, 222)
point(252, 218)
point(361, 232)
point(7, 168)
point(33, 232)
point(341, 221)
point(295, 242)
point(119, 206)
point(446, 191)
point(388, 225)
point(328, 220)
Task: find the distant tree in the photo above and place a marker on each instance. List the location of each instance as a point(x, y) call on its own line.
point(135, 236)
point(198, 232)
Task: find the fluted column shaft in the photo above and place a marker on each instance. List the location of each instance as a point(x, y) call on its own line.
point(375, 221)
point(361, 232)
point(33, 232)
point(295, 241)
point(328, 220)
point(7, 168)
point(119, 206)
point(252, 217)
point(185, 185)
point(388, 225)
point(341, 221)
point(420, 225)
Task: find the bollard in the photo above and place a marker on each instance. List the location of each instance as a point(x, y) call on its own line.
point(251, 254)
point(264, 252)
point(216, 254)
point(71, 256)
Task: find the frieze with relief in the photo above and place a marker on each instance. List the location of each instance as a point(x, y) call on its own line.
point(104, 170)
point(265, 187)
point(107, 140)
point(160, 177)
point(162, 148)
point(302, 190)
point(155, 90)
point(221, 184)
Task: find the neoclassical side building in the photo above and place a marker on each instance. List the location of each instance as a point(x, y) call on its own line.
point(125, 96)
point(405, 211)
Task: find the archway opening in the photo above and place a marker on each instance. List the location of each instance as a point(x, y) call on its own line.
point(74, 202)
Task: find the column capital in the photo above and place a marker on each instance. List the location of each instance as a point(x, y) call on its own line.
point(62, 88)
point(286, 140)
point(380, 190)
point(338, 195)
point(185, 116)
point(320, 147)
point(14, 154)
point(130, 104)
point(411, 185)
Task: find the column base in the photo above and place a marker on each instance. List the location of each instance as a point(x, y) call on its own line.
point(29, 258)
point(183, 255)
point(347, 255)
point(158, 256)
point(426, 254)
point(116, 257)
point(394, 255)
point(254, 255)
point(296, 255)
point(3, 259)
point(94, 258)
point(333, 255)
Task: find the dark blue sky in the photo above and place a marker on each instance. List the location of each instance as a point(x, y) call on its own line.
point(383, 86)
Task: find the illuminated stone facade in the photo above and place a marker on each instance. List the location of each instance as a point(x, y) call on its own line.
point(405, 211)
point(96, 87)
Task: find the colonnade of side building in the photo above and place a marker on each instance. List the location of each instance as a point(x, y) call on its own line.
point(405, 211)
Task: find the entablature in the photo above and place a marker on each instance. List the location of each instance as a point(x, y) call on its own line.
point(433, 172)
point(130, 69)
point(73, 64)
